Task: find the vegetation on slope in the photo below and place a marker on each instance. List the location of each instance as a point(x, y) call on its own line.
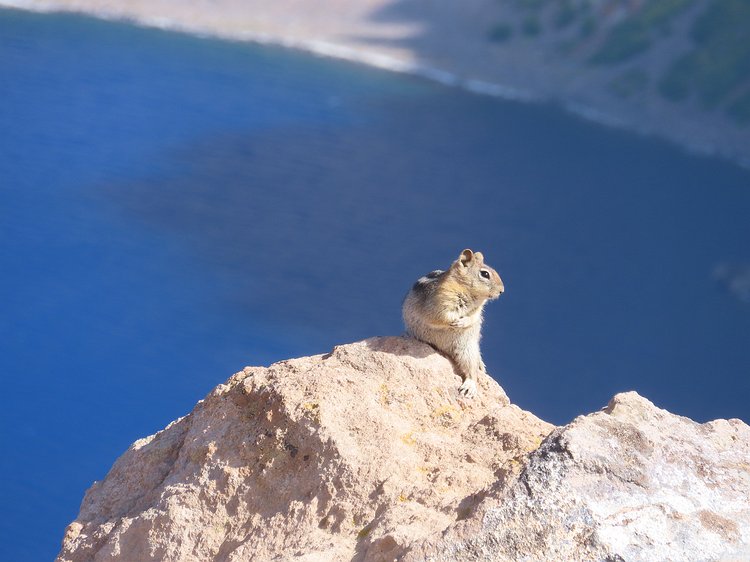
point(713, 68)
point(717, 69)
point(637, 33)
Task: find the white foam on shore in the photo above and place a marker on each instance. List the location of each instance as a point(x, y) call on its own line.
point(593, 114)
point(388, 62)
point(322, 48)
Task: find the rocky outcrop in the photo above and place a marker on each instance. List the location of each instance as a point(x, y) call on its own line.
point(632, 482)
point(369, 453)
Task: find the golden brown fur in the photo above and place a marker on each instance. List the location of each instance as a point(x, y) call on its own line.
point(444, 309)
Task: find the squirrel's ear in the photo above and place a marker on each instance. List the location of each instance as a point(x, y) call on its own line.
point(479, 257)
point(466, 257)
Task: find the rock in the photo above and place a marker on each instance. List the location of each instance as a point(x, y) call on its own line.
point(357, 453)
point(631, 482)
point(369, 453)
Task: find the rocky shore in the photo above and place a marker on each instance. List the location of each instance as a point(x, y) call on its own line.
point(369, 453)
point(451, 42)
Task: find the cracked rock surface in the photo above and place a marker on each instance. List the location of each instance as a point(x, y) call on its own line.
point(369, 453)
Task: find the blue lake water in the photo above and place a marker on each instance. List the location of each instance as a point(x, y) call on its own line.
point(175, 208)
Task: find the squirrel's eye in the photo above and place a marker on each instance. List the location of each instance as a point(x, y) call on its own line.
point(484, 273)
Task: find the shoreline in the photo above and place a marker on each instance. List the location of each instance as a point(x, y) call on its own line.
point(379, 59)
point(319, 48)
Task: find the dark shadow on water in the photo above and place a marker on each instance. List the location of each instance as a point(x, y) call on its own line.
point(606, 242)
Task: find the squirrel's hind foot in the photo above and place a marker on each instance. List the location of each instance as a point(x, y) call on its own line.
point(468, 388)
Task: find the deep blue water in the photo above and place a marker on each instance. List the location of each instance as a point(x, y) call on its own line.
point(174, 208)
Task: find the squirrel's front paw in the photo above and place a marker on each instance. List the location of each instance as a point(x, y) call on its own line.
point(468, 388)
point(463, 322)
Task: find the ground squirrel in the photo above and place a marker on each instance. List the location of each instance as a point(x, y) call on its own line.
point(444, 309)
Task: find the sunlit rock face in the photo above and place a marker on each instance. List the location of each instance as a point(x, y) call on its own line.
point(369, 453)
point(632, 482)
